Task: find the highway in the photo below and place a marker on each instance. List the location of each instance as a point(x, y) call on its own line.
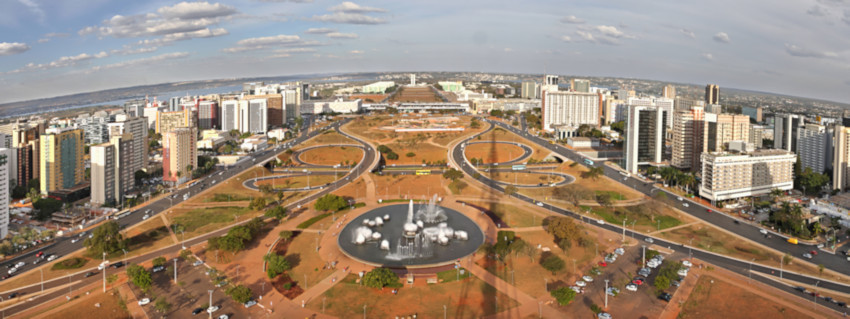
point(65, 246)
point(701, 212)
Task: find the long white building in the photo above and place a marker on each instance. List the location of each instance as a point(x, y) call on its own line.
point(571, 109)
point(735, 175)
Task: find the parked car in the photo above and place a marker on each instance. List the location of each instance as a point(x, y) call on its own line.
point(580, 283)
point(250, 303)
point(224, 317)
point(613, 291)
point(649, 240)
point(197, 311)
point(687, 263)
point(763, 231)
point(665, 296)
point(637, 282)
point(600, 222)
point(603, 315)
point(587, 278)
point(198, 263)
point(644, 272)
point(158, 269)
point(144, 301)
point(619, 251)
point(631, 287)
point(807, 255)
point(212, 309)
point(682, 272)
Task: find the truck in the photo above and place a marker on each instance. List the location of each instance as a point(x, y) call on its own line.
point(793, 241)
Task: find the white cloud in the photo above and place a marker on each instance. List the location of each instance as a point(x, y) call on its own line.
point(319, 30)
point(602, 34)
point(707, 56)
point(688, 33)
point(355, 52)
point(278, 56)
point(57, 35)
point(295, 50)
point(572, 20)
point(351, 7)
point(43, 40)
point(261, 43)
point(128, 50)
point(145, 61)
point(34, 8)
point(797, 51)
point(586, 36)
point(566, 38)
point(722, 37)
point(337, 35)
point(611, 31)
point(62, 62)
point(196, 10)
point(203, 33)
point(348, 18)
point(11, 48)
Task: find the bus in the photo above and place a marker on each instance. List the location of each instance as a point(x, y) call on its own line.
point(588, 161)
point(423, 172)
point(518, 167)
point(122, 214)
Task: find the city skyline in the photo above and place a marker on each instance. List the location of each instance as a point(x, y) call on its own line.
point(110, 44)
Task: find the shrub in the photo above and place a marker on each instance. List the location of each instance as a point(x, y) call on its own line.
point(70, 263)
point(410, 154)
point(563, 295)
point(240, 293)
point(553, 263)
point(379, 278)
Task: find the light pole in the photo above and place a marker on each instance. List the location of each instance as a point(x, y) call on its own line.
point(323, 303)
point(125, 255)
point(364, 311)
point(546, 280)
point(104, 271)
point(606, 294)
point(175, 270)
point(689, 248)
point(210, 304)
point(751, 269)
point(644, 255)
point(42, 279)
point(624, 230)
point(815, 295)
point(445, 311)
point(183, 233)
point(781, 262)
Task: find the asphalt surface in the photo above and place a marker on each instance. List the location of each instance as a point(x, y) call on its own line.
point(837, 263)
point(65, 246)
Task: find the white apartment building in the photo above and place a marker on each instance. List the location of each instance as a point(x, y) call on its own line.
point(229, 115)
point(103, 179)
point(253, 116)
point(841, 158)
point(570, 109)
point(688, 141)
point(663, 103)
point(645, 136)
point(814, 146)
point(735, 175)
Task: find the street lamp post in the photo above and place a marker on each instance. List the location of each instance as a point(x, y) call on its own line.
point(751, 269)
point(104, 271)
point(175, 270)
point(644, 255)
point(624, 230)
point(606, 294)
point(445, 311)
point(183, 233)
point(689, 248)
point(815, 295)
point(364, 311)
point(210, 304)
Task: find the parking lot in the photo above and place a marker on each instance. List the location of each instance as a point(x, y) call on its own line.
point(191, 293)
point(643, 303)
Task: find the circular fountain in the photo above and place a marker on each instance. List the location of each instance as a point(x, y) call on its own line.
point(410, 235)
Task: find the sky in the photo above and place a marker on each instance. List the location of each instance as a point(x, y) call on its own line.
point(56, 47)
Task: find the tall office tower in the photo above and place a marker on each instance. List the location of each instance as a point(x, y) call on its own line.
point(304, 88)
point(550, 83)
point(570, 109)
point(712, 94)
point(664, 103)
point(614, 111)
point(274, 106)
point(815, 147)
point(167, 121)
point(785, 131)
point(208, 115)
point(688, 140)
point(841, 158)
point(529, 90)
point(845, 118)
point(412, 79)
point(103, 177)
point(755, 113)
point(252, 116)
point(580, 85)
point(61, 159)
point(645, 136)
point(126, 155)
point(757, 133)
point(137, 128)
point(179, 155)
point(5, 140)
point(735, 175)
point(669, 91)
point(135, 107)
point(25, 138)
point(292, 104)
point(721, 129)
point(6, 158)
point(229, 115)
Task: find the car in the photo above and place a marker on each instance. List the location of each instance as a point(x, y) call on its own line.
point(603, 264)
point(665, 296)
point(36, 261)
point(90, 273)
point(75, 240)
point(12, 271)
point(807, 255)
point(540, 204)
point(587, 278)
point(708, 210)
point(682, 272)
point(197, 311)
point(842, 304)
point(686, 205)
point(580, 283)
point(224, 317)
point(680, 198)
point(814, 252)
point(146, 217)
point(118, 264)
point(687, 263)
point(13, 295)
point(39, 254)
point(102, 265)
point(619, 251)
point(198, 263)
point(763, 231)
point(631, 287)
point(613, 291)
point(250, 303)
point(212, 309)
point(600, 222)
point(649, 240)
point(221, 283)
point(20, 264)
point(144, 301)
point(52, 257)
point(576, 289)
point(652, 264)
point(158, 269)
point(800, 289)
point(644, 272)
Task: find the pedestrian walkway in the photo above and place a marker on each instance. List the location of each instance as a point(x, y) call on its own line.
point(528, 305)
point(167, 225)
point(675, 227)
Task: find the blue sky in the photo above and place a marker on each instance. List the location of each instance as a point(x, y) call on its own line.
point(57, 47)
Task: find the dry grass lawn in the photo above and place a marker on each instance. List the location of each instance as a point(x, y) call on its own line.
point(713, 298)
point(333, 155)
point(356, 189)
point(391, 186)
point(329, 137)
point(601, 184)
point(34, 277)
point(303, 249)
point(423, 153)
point(525, 178)
point(512, 215)
point(500, 134)
point(493, 152)
point(96, 305)
point(299, 181)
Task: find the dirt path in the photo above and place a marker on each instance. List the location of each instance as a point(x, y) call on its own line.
point(675, 227)
point(167, 225)
point(371, 193)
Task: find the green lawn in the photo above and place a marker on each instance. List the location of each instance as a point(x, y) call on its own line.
point(227, 198)
point(614, 195)
point(451, 275)
point(617, 215)
point(203, 220)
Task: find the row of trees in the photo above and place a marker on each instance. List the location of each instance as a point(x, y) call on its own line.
point(388, 152)
point(237, 237)
point(674, 177)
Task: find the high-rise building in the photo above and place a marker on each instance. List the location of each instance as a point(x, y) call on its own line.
point(570, 109)
point(757, 134)
point(785, 131)
point(614, 111)
point(208, 115)
point(682, 103)
point(755, 113)
point(645, 136)
point(61, 159)
point(728, 175)
point(95, 127)
point(529, 90)
point(292, 103)
point(6, 159)
point(669, 91)
point(253, 116)
point(841, 158)
point(135, 107)
point(815, 147)
point(688, 128)
point(712, 94)
point(276, 114)
point(230, 115)
point(179, 155)
point(721, 129)
point(103, 177)
point(167, 121)
point(151, 112)
point(137, 128)
point(663, 103)
point(580, 85)
point(550, 83)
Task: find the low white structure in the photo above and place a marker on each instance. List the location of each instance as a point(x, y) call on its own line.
point(255, 143)
point(579, 142)
point(278, 133)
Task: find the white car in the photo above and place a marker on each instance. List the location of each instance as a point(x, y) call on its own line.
point(687, 263)
point(649, 240)
point(146, 217)
point(631, 287)
point(682, 272)
point(13, 270)
point(102, 265)
point(20, 264)
point(581, 283)
point(213, 309)
point(686, 205)
point(763, 231)
point(223, 317)
point(540, 204)
point(52, 257)
point(587, 278)
point(679, 198)
point(144, 301)
point(619, 251)
point(600, 222)
point(576, 289)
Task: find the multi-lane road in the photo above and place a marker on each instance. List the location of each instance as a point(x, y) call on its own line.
point(64, 245)
point(695, 209)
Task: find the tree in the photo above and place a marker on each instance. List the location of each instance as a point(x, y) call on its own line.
point(275, 265)
point(563, 295)
point(159, 261)
point(619, 126)
point(285, 234)
point(510, 190)
point(46, 207)
point(276, 212)
point(258, 203)
point(563, 228)
point(19, 192)
point(379, 278)
point(392, 156)
point(330, 202)
point(552, 263)
point(594, 173)
point(453, 174)
point(605, 199)
point(496, 113)
point(820, 269)
point(140, 277)
point(410, 154)
point(105, 238)
point(162, 305)
point(240, 293)
point(384, 149)
point(474, 124)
